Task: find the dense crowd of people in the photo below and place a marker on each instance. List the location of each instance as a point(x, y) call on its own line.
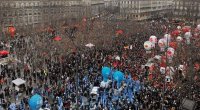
point(73, 76)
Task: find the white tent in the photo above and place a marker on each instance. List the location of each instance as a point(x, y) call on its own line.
point(18, 81)
point(90, 45)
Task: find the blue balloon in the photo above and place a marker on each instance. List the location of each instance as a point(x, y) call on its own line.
point(118, 76)
point(35, 102)
point(105, 73)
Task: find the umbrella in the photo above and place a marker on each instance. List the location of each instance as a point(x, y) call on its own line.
point(4, 52)
point(57, 38)
point(90, 45)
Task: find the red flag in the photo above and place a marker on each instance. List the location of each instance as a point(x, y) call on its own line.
point(57, 38)
point(11, 30)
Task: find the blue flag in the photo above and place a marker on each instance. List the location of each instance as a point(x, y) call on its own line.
point(60, 103)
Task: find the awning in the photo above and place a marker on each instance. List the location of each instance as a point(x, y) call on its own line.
point(18, 81)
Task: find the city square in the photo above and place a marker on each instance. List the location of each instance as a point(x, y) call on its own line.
point(99, 55)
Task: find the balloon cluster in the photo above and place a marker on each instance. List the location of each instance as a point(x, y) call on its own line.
point(117, 75)
point(168, 44)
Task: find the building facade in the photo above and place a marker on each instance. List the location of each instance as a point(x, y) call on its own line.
point(111, 3)
point(144, 9)
point(27, 14)
point(187, 9)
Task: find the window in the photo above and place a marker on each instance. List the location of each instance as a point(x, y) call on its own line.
point(20, 20)
point(22, 4)
point(27, 4)
point(35, 12)
point(12, 5)
point(36, 4)
point(17, 5)
point(35, 19)
point(4, 14)
point(25, 12)
point(32, 4)
point(9, 13)
point(30, 19)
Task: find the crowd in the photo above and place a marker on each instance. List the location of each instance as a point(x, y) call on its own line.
point(73, 76)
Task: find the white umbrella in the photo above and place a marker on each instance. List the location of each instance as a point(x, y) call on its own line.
point(90, 45)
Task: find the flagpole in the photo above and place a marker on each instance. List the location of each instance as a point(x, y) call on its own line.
point(76, 73)
point(164, 82)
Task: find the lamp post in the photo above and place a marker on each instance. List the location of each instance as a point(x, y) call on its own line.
point(164, 82)
point(190, 58)
point(76, 67)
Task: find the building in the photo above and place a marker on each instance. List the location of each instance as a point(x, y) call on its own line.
point(111, 3)
point(187, 9)
point(31, 14)
point(112, 6)
point(95, 7)
point(144, 9)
